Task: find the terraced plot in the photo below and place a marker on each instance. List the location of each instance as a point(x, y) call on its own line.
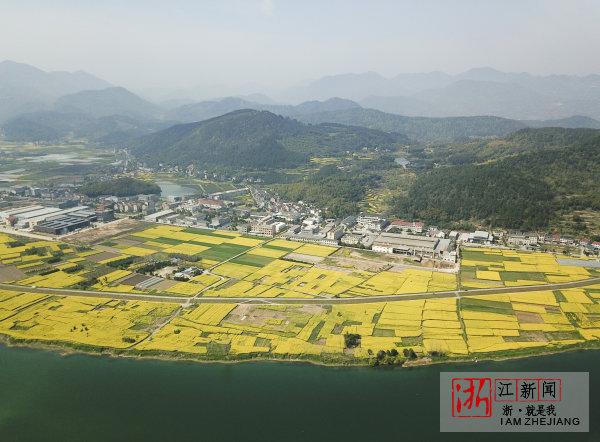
point(486, 267)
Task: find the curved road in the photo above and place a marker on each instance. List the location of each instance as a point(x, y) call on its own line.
point(319, 301)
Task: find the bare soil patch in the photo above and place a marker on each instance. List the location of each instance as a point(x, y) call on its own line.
point(359, 263)
point(134, 279)
point(527, 336)
point(101, 256)
point(164, 285)
point(308, 259)
point(11, 273)
point(107, 230)
point(529, 317)
point(256, 316)
point(165, 271)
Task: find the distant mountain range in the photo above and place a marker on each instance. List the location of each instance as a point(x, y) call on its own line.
point(54, 126)
point(115, 115)
point(481, 91)
point(24, 88)
point(208, 109)
point(107, 102)
point(51, 106)
point(347, 112)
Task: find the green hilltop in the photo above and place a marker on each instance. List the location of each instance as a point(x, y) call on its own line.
point(252, 139)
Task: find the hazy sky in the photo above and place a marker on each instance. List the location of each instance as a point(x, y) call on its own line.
point(179, 43)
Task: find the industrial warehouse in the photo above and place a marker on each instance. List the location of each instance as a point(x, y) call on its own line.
point(421, 246)
point(52, 220)
point(59, 225)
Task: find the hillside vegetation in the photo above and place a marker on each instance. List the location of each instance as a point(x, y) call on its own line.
point(338, 192)
point(54, 126)
point(544, 173)
point(251, 139)
point(421, 129)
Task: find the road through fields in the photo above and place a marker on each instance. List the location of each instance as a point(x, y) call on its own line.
point(319, 301)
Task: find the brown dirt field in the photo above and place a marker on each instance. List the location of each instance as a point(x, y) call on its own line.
point(101, 256)
point(130, 242)
point(529, 317)
point(308, 259)
point(107, 230)
point(11, 273)
point(359, 264)
point(312, 309)
point(389, 259)
point(528, 336)
point(165, 271)
point(335, 268)
point(164, 285)
point(134, 279)
point(253, 315)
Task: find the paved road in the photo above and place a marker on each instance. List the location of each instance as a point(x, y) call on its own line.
point(93, 294)
point(26, 234)
point(319, 301)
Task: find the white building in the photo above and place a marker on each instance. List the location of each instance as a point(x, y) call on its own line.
point(406, 244)
point(7, 214)
point(519, 239)
point(407, 226)
point(481, 237)
point(351, 239)
point(371, 222)
point(266, 226)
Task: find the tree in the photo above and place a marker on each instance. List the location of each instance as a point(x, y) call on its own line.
point(409, 353)
point(351, 340)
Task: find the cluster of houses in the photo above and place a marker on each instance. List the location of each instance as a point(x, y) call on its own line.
point(376, 233)
point(219, 210)
point(298, 221)
point(60, 191)
point(270, 216)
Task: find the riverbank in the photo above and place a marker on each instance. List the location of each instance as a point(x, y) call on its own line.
point(69, 349)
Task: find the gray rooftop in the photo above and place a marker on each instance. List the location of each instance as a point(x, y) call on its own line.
point(406, 241)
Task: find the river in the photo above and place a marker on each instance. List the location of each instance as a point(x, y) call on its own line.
point(46, 396)
point(168, 188)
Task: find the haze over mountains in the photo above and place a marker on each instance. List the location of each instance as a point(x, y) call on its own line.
point(24, 88)
point(481, 91)
point(431, 107)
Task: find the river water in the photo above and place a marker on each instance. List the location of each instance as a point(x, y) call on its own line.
point(48, 397)
point(168, 188)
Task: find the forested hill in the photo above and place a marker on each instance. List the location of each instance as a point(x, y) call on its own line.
point(122, 186)
point(557, 171)
point(256, 140)
point(524, 140)
point(548, 137)
point(53, 126)
point(423, 129)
